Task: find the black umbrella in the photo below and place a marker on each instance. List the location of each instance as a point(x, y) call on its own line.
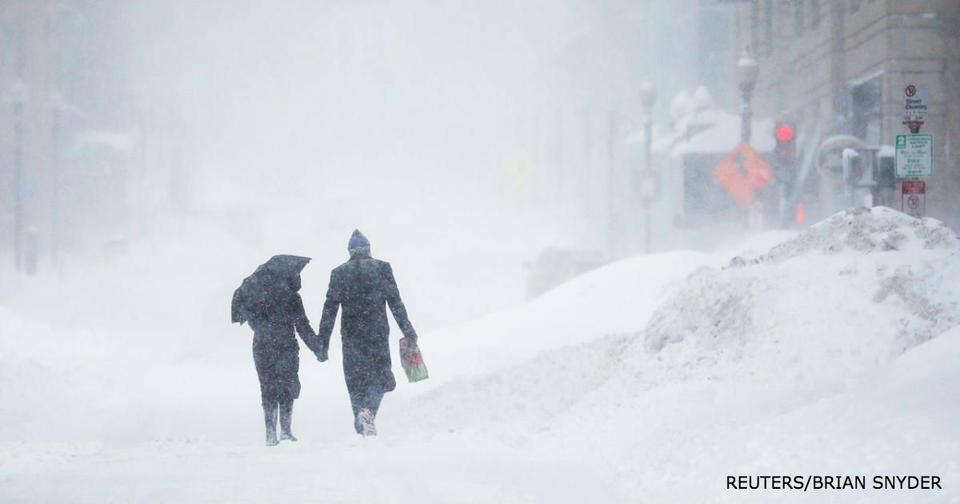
point(270, 278)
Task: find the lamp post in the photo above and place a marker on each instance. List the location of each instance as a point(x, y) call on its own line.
point(747, 70)
point(56, 133)
point(16, 97)
point(648, 93)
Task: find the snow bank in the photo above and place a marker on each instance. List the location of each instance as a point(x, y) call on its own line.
point(844, 296)
point(831, 351)
point(616, 298)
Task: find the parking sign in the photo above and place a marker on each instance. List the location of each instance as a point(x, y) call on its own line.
point(914, 155)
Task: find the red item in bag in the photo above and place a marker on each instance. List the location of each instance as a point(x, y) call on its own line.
point(412, 361)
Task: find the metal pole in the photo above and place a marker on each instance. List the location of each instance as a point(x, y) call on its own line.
point(746, 117)
point(648, 93)
point(558, 153)
point(647, 144)
point(611, 174)
point(587, 172)
point(55, 224)
point(18, 185)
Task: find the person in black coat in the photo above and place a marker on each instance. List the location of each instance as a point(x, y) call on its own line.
point(364, 286)
point(268, 300)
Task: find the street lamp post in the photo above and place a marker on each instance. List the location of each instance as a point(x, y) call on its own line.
point(56, 133)
point(17, 96)
point(648, 93)
point(747, 70)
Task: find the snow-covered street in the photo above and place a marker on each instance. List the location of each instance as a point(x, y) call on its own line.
point(479, 251)
point(652, 379)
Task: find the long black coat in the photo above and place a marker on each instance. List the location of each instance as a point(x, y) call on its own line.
point(364, 287)
point(275, 349)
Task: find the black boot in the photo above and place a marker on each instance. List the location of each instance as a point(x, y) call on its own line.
point(270, 419)
point(286, 417)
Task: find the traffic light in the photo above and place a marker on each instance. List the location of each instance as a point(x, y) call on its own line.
point(885, 169)
point(785, 152)
point(786, 145)
point(784, 132)
point(852, 163)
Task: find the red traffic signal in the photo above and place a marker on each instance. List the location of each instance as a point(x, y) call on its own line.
point(784, 132)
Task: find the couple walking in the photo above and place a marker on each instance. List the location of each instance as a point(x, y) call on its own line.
point(269, 302)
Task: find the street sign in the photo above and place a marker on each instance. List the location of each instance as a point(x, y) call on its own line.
point(913, 195)
point(914, 156)
point(916, 100)
point(743, 171)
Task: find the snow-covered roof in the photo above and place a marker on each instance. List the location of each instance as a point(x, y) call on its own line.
point(720, 133)
point(119, 141)
point(697, 125)
point(94, 143)
point(709, 131)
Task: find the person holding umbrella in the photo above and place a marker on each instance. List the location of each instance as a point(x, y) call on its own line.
point(364, 286)
point(269, 302)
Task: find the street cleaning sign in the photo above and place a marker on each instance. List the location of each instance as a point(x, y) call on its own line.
point(916, 100)
point(914, 155)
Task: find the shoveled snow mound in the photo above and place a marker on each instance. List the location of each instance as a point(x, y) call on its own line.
point(616, 298)
point(812, 358)
point(791, 360)
point(844, 296)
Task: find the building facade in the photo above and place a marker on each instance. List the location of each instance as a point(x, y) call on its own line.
point(840, 67)
point(71, 136)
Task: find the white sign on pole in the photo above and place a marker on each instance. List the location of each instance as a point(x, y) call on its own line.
point(916, 100)
point(914, 156)
point(913, 194)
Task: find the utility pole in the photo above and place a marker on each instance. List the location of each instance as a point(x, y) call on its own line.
point(611, 175)
point(747, 68)
point(586, 171)
point(18, 96)
point(55, 134)
point(747, 72)
point(648, 93)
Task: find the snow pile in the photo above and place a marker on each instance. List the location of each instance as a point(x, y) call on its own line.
point(867, 230)
point(810, 312)
point(825, 352)
point(842, 297)
point(614, 299)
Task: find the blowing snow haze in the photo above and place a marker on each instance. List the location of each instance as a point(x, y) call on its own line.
point(427, 123)
point(689, 251)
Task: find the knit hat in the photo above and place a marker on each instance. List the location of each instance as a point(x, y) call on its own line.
point(357, 240)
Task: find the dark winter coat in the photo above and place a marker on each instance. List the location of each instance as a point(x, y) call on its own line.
point(364, 287)
point(275, 348)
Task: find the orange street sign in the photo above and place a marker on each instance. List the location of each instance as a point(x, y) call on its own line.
point(743, 171)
